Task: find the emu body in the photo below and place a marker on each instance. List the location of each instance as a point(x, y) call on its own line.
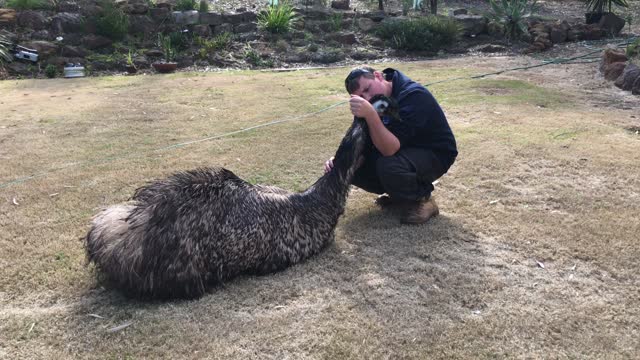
point(178, 236)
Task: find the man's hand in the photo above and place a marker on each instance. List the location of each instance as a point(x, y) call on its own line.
point(328, 166)
point(360, 107)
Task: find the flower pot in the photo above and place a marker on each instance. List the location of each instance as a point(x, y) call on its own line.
point(131, 69)
point(593, 17)
point(165, 67)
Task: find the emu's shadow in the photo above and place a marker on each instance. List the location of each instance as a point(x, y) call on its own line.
point(378, 276)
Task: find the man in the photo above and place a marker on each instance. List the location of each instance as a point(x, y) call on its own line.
point(408, 154)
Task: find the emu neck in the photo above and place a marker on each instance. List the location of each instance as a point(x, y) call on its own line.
point(332, 188)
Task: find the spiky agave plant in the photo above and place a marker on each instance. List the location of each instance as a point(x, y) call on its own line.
point(598, 6)
point(512, 15)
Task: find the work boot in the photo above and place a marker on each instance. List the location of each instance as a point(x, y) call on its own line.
point(385, 201)
point(420, 211)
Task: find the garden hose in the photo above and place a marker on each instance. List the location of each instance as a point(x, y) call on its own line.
point(584, 58)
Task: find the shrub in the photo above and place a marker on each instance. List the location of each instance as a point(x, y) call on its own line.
point(5, 56)
point(164, 42)
point(428, 33)
point(633, 49)
point(512, 15)
point(277, 19)
point(179, 40)
point(219, 42)
point(112, 22)
point(185, 5)
point(253, 58)
point(28, 4)
point(335, 21)
point(50, 71)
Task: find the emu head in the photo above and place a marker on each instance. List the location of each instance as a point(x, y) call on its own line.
point(357, 139)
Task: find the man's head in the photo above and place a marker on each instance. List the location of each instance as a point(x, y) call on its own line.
point(367, 82)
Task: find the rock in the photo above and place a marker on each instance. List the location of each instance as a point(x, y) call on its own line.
point(558, 32)
point(315, 13)
point(346, 38)
point(592, 32)
point(614, 70)
point(376, 16)
point(363, 55)
point(635, 90)
point(327, 57)
point(298, 57)
point(223, 28)
point(610, 56)
point(33, 20)
point(365, 24)
point(8, 17)
point(455, 12)
point(245, 28)
point(67, 6)
point(340, 4)
point(141, 24)
point(628, 77)
point(184, 61)
point(154, 53)
point(45, 48)
point(74, 51)
point(66, 23)
point(93, 41)
point(611, 23)
point(166, 4)
point(41, 35)
point(20, 68)
point(159, 14)
point(202, 30)
point(186, 17)
point(472, 25)
point(137, 7)
point(233, 19)
point(211, 19)
point(490, 48)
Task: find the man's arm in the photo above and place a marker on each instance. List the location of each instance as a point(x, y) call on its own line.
point(383, 139)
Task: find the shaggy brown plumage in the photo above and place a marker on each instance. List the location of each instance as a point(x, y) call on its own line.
point(197, 228)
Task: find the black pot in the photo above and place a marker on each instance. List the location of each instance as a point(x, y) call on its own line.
point(165, 67)
point(593, 17)
point(131, 69)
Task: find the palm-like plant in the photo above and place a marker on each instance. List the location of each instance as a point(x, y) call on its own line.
point(598, 6)
point(512, 15)
point(5, 56)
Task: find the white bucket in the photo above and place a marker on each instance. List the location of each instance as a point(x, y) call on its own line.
point(74, 71)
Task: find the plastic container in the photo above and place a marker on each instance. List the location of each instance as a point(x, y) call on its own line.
point(73, 71)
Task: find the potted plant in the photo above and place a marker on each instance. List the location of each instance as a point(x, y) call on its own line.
point(168, 65)
point(596, 9)
point(130, 67)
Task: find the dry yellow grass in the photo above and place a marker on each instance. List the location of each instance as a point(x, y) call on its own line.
point(544, 178)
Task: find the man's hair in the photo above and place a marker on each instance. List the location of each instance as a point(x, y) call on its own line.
point(351, 82)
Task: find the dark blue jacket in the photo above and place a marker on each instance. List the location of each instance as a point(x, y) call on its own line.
point(423, 124)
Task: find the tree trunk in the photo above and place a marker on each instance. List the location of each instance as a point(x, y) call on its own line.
point(434, 6)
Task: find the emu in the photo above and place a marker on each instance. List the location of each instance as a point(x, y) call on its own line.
point(179, 236)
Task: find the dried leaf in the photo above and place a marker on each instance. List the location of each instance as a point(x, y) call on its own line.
point(120, 327)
